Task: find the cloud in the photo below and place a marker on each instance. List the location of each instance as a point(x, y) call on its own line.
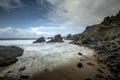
point(10, 4)
point(35, 31)
point(82, 12)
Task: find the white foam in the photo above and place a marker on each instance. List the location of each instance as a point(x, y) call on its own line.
point(46, 56)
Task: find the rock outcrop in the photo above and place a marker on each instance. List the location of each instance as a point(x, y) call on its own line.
point(108, 30)
point(69, 37)
point(105, 39)
point(40, 40)
point(8, 55)
point(57, 38)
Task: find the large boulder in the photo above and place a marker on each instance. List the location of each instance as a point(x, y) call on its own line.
point(8, 55)
point(10, 51)
point(57, 38)
point(40, 40)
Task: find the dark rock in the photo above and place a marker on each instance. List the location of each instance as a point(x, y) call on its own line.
point(22, 68)
point(79, 65)
point(98, 77)
point(90, 64)
point(24, 76)
point(8, 55)
point(10, 51)
point(9, 78)
point(69, 37)
point(7, 62)
point(45, 69)
point(40, 40)
point(57, 38)
point(87, 79)
point(100, 71)
point(80, 53)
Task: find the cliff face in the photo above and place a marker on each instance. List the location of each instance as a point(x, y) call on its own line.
point(108, 30)
point(105, 39)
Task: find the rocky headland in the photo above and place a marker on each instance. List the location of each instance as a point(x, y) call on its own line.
point(105, 39)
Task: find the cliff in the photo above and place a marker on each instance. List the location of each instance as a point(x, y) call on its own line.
point(105, 39)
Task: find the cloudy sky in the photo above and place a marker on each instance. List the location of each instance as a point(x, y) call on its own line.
point(35, 18)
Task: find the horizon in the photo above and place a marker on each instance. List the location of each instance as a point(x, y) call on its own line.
point(36, 18)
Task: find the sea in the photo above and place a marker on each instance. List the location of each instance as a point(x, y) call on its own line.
point(40, 56)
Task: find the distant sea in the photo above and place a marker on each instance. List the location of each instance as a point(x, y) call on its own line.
point(18, 38)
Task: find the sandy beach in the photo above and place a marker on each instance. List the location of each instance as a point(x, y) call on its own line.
point(87, 71)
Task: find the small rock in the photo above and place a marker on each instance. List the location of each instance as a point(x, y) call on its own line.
point(9, 71)
point(81, 59)
point(79, 53)
point(45, 69)
point(79, 65)
point(87, 79)
point(24, 76)
point(22, 68)
point(100, 71)
point(90, 64)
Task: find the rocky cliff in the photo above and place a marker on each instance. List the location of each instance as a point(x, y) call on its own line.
point(105, 39)
point(107, 30)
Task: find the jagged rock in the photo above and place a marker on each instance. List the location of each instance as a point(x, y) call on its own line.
point(8, 55)
point(40, 40)
point(69, 37)
point(57, 38)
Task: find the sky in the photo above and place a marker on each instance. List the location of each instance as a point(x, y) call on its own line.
point(35, 18)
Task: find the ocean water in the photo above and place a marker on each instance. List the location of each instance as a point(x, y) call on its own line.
point(40, 56)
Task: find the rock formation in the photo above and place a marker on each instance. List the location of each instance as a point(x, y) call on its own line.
point(69, 37)
point(108, 30)
point(105, 39)
point(57, 38)
point(8, 55)
point(40, 40)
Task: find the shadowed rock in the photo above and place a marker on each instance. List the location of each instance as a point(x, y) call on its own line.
point(40, 40)
point(79, 65)
point(69, 37)
point(57, 38)
point(8, 55)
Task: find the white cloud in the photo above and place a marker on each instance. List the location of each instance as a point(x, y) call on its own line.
point(10, 4)
point(36, 31)
point(83, 12)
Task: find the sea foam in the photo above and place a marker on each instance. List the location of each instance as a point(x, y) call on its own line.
point(40, 56)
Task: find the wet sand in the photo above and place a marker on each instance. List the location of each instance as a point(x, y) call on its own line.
point(73, 72)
